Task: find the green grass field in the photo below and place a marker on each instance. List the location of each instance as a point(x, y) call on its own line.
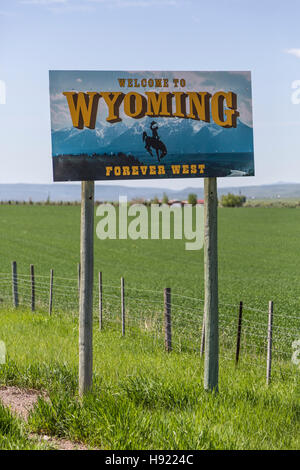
point(259, 254)
point(144, 398)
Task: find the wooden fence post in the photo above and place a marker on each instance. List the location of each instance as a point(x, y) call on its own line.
point(239, 330)
point(15, 284)
point(32, 288)
point(167, 319)
point(51, 292)
point(78, 277)
point(86, 287)
point(123, 305)
point(269, 351)
point(100, 301)
point(211, 362)
point(202, 337)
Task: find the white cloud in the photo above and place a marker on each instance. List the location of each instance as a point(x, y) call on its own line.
point(43, 2)
point(60, 6)
point(295, 52)
point(65, 6)
point(114, 3)
point(135, 3)
point(57, 97)
point(145, 3)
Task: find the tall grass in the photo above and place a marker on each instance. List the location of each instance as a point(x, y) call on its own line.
point(144, 398)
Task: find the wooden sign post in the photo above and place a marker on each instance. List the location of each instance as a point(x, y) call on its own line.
point(211, 361)
point(86, 287)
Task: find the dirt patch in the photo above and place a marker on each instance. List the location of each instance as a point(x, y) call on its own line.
point(59, 444)
point(21, 402)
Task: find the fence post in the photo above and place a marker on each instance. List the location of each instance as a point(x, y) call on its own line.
point(269, 351)
point(167, 318)
point(202, 337)
point(15, 284)
point(32, 288)
point(86, 287)
point(123, 305)
point(100, 300)
point(51, 292)
point(211, 362)
point(239, 330)
point(78, 277)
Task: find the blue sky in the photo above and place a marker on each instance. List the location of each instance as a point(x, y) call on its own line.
point(257, 35)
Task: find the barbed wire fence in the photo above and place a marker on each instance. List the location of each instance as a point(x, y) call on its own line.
point(249, 336)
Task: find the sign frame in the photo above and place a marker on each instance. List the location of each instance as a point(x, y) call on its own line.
point(126, 125)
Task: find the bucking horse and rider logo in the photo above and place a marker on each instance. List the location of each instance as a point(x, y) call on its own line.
point(154, 142)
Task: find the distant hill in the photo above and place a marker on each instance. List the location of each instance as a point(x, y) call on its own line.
point(71, 192)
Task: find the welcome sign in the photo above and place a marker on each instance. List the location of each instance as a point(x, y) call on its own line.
point(114, 125)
